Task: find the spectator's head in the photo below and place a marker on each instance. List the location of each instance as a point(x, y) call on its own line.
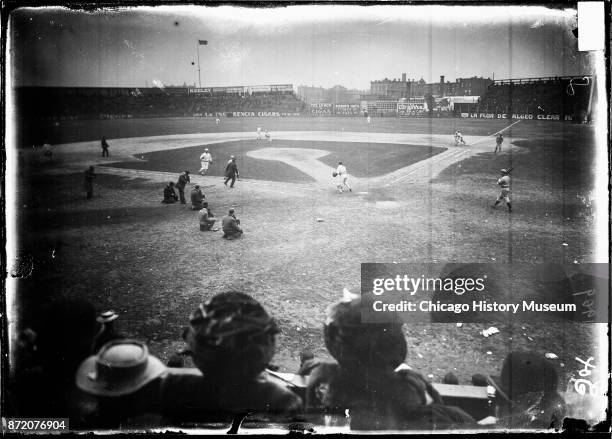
point(231, 335)
point(526, 372)
point(479, 380)
point(186, 172)
point(196, 187)
point(124, 379)
point(357, 345)
point(91, 168)
point(65, 335)
point(450, 378)
point(339, 163)
point(206, 149)
point(231, 211)
point(171, 184)
point(205, 205)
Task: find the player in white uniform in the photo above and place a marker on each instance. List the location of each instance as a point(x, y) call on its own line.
point(217, 121)
point(458, 138)
point(205, 160)
point(369, 119)
point(258, 133)
point(267, 134)
point(504, 184)
point(342, 177)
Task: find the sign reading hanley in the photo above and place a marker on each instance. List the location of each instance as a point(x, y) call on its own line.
point(452, 293)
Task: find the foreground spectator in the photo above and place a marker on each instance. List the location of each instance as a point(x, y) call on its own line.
point(231, 340)
point(124, 379)
point(43, 385)
point(206, 218)
point(169, 194)
point(231, 226)
point(366, 379)
point(108, 331)
point(527, 392)
point(90, 175)
point(197, 198)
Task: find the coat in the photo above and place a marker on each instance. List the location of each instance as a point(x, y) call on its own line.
point(230, 225)
point(231, 170)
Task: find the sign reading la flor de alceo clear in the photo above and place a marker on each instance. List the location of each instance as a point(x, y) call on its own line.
point(484, 293)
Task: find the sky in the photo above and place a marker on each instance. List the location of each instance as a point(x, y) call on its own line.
point(321, 45)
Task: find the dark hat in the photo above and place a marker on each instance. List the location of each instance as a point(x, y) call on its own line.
point(355, 344)
point(197, 186)
point(107, 316)
point(231, 210)
point(205, 204)
point(186, 172)
point(121, 367)
point(525, 372)
point(231, 330)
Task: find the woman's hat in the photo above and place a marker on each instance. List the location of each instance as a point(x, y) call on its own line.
point(121, 367)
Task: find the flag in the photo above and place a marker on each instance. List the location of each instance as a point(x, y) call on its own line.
point(203, 42)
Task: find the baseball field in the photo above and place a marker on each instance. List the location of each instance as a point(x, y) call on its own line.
point(416, 198)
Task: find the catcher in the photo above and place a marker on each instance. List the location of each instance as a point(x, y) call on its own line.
point(504, 184)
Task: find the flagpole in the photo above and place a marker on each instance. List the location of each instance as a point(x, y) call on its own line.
point(198, 50)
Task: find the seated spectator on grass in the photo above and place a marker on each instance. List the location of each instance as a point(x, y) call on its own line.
point(366, 379)
point(206, 218)
point(125, 382)
point(108, 331)
point(197, 198)
point(527, 392)
point(231, 226)
point(169, 194)
point(231, 339)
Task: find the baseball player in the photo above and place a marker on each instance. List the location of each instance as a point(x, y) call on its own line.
point(342, 177)
point(459, 137)
point(369, 120)
point(499, 139)
point(258, 133)
point(504, 184)
point(217, 121)
point(268, 138)
point(205, 160)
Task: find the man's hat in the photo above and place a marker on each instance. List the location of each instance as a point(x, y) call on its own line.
point(121, 367)
point(356, 344)
point(197, 186)
point(232, 210)
point(504, 171)
point(232, 157)
point(107, 316)
point(205, 149)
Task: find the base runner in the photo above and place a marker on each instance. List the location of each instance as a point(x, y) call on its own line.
point(205, 160)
